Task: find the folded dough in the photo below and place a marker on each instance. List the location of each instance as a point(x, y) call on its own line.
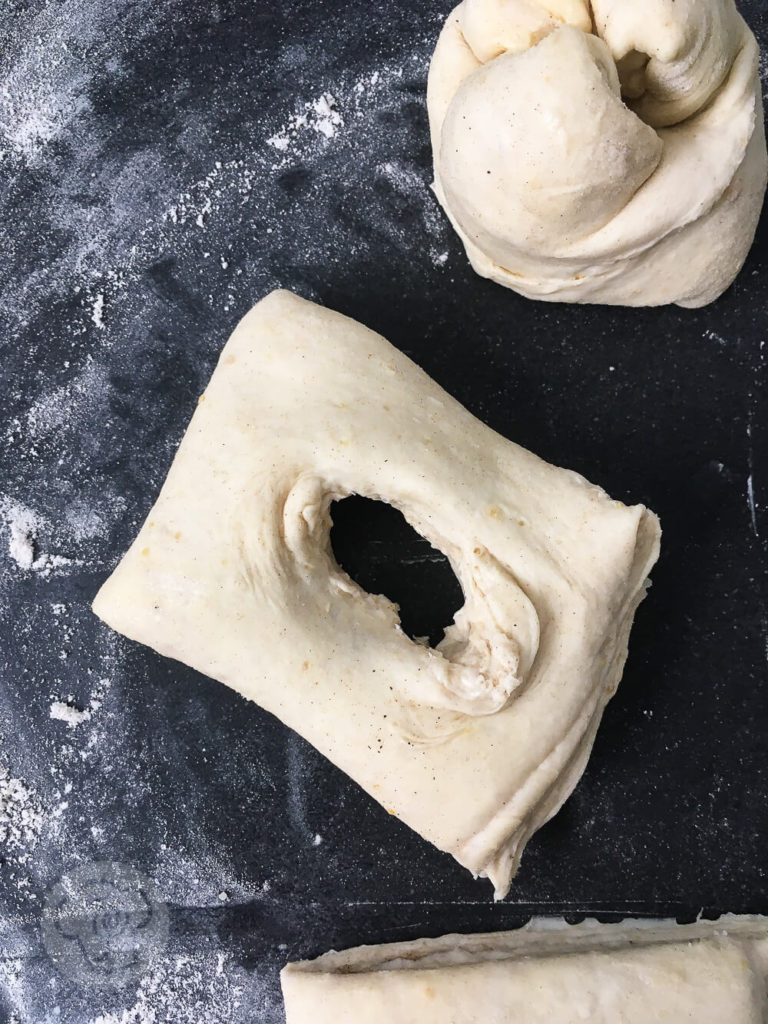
point(546, 973)
point(608, 152)
point(476, 744)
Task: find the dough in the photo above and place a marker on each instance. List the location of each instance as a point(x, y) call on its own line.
point(545, 973)
point(608, 152)
point(476, 744)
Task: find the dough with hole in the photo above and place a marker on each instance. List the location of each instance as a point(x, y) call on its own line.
point(474, 744)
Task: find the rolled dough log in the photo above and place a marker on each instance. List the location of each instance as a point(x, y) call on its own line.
point(475, 744)
point(646, 972)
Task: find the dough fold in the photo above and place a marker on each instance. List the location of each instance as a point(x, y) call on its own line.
point(474, 744)
point(641, 972)
point(612, 152)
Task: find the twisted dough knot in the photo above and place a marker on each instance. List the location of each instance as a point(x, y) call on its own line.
point(607, 152)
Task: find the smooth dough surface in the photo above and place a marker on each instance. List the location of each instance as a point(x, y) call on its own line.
point(474, 744)
point(608, 152)
point(545, 973)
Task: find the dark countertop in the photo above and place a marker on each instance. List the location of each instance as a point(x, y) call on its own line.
point(144, 210)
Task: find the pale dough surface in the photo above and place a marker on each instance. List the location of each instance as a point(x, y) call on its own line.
point(475, 744)
point(545, 973)
point(608, 152)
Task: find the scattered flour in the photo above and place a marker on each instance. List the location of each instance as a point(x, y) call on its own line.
point(714, 336)
point(46, 564)
point(188, 984)
point(97, 316)
point(22, 817)
point(137, 226)
point(63, 711)
point(46, 86)
point(12, 978)
point(191, 989)
point(201, 877)
point(320, 116)
point(24, 525)
point(412, 186)
point(65, 403)
point(67, 710)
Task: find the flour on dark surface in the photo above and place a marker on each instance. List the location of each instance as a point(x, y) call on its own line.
point(164, 165)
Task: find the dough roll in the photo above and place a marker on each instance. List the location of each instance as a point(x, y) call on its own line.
point(545, 973)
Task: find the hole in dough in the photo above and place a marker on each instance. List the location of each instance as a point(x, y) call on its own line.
point(632, 69)
point(377, 547)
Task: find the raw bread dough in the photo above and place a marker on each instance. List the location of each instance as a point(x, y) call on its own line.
point(476, 744)
point(608, 152)
point(546, 973)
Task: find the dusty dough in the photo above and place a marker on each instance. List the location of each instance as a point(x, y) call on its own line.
point(645, 972)
point(475, 745)
point(608, 152)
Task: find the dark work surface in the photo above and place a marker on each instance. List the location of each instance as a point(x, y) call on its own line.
point(144, 211)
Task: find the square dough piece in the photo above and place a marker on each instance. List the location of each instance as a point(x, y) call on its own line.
point(474, 745)
point(546, 973)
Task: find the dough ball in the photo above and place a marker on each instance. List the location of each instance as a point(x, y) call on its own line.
point(607, 153)
point(541, 188)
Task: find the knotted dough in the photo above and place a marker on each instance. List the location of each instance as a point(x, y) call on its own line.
point(475, 744)
point(637, 972)
point(611, 151)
